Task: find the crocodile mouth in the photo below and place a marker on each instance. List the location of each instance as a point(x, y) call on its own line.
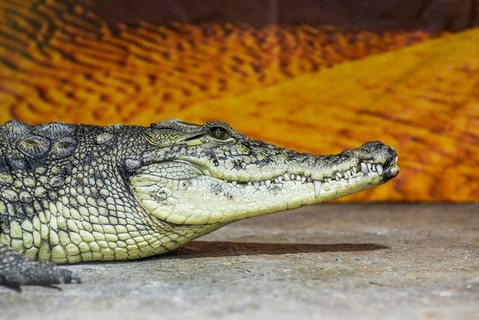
point(194, 191)
point(362, 171)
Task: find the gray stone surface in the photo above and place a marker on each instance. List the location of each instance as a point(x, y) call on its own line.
point(334, 261)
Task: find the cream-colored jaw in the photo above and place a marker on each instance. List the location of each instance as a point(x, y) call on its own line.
point(179, 193)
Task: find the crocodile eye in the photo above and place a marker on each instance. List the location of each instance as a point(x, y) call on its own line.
point(219, 133)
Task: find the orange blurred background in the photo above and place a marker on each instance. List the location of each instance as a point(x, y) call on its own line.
point(307, 86)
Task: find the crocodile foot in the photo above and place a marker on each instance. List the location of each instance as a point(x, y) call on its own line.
point(17, 270)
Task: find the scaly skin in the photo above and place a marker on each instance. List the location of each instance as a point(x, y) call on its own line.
point(71, 193)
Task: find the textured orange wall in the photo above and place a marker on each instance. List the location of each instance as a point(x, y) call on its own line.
point(313, 89)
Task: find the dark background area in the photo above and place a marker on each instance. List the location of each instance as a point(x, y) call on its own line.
point(354, 15)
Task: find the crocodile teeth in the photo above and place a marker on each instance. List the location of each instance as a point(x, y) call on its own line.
point(347, 175)
point(353, 172)
point(379, 168)
point(317, 187)
point(364, 168)
point(277, 182)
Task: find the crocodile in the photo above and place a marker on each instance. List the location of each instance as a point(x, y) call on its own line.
point(76, 193)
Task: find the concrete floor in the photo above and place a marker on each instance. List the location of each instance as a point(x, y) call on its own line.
point(334, 261)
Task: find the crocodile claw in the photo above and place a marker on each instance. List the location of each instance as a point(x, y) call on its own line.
point(17, 270)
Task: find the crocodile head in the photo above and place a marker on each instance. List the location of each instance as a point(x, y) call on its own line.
point(212, 174)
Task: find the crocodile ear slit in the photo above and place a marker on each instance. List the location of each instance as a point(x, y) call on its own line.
point(196, 136)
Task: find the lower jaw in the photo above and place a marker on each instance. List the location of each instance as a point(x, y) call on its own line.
point(238, 202)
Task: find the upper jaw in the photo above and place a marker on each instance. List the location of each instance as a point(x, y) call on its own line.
point(371, 158)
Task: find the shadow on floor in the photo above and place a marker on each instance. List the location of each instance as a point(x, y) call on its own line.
point(197, 249)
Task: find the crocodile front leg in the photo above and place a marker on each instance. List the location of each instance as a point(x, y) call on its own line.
point(17, 270)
